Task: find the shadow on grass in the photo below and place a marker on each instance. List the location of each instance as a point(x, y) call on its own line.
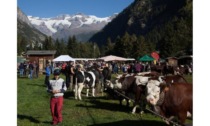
point(98, 104)
point(23, 77)
point(47, 122)
point(68, 94)
point(133, 123)
point(32, 119)
point(34, 84)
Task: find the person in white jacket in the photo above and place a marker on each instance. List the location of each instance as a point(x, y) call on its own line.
point(56, 87)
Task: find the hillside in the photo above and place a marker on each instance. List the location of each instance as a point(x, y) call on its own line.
point(25, 28)
point(161, 22)
point(29, 33)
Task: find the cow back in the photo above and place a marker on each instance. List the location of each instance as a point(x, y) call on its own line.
point(89, 79)
point(174, 79)
point(127, 82)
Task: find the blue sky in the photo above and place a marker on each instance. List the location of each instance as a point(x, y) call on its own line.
point(53, 8)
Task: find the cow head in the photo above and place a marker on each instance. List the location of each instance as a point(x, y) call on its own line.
point(108, 84)
point(115, 85)
point(154, 90)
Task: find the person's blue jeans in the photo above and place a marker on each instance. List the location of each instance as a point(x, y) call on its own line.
point(21, 72)
point(31, 74)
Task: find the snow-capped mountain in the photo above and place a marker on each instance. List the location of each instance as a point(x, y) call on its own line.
point(61, 27)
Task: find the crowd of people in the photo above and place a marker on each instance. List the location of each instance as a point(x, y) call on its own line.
point(29, 69)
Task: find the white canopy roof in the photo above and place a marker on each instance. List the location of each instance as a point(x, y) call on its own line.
point(112, 58)
point(63, 58)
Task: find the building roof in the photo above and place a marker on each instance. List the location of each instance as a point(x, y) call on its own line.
point(172, 58)
point(186, 56)
point(40, 52)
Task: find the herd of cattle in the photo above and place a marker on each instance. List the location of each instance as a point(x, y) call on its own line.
point(169, 96)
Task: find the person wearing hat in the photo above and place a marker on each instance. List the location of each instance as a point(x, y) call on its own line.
point(56, 87)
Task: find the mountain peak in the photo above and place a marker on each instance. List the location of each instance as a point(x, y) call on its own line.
point(69, 25)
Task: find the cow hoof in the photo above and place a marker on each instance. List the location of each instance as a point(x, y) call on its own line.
point(142, 112)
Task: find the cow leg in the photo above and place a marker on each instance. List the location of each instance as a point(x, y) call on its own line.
point(75, 91)
point(87, 92)
point(137, 97)
point(127, 102)
point(168, 120)
point(80, 90)
point(93, 92)
point(182, 117)
point(120, 102)
point(102, 87)
point(142, 105)
point(138, 90)
point(120, 99)
point(134, 108)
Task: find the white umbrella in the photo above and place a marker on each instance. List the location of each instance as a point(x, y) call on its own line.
point(112, 58)
point(63, 58)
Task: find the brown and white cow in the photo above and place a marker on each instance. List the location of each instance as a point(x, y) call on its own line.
point(130, 83)
point(171, 100)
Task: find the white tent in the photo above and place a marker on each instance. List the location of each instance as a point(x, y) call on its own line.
point(63, 58)
point(112, 58)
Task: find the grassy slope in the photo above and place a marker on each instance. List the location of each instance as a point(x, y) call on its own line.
point(34, 110)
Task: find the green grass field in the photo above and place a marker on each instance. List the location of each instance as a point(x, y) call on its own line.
point(33, 108)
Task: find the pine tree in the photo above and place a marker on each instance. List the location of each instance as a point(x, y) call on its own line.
point(58, 47)
point(72, 48)
point(63, 47)
point(109, 46)
point(37, 46)
point(48, 44)
point(21, 44)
